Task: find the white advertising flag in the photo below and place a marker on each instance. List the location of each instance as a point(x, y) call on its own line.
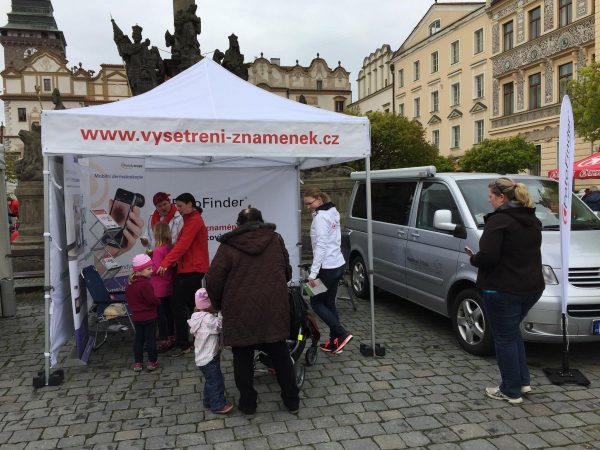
point(566, 150)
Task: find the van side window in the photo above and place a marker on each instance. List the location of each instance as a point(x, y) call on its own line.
point(391, 201)
point(435, 196)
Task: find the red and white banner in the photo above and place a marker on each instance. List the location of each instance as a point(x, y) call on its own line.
point(566, 151)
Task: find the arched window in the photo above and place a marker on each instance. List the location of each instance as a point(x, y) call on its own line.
point(434, 27)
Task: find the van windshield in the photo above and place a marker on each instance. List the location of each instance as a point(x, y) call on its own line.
point(545, 197)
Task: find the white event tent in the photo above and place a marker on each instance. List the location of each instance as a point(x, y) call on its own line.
point(203, 119)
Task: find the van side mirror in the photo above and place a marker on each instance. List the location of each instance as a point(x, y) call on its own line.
point(442, 220)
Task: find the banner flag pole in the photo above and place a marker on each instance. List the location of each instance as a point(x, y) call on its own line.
point(566, 154)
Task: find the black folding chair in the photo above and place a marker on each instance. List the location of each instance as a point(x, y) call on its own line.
point(104, 299)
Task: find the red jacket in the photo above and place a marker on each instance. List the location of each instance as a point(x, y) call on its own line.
point(141, 299)
point(190, 252)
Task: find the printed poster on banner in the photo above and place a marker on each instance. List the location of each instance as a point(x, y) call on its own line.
point(74, 226)
point(116, 211)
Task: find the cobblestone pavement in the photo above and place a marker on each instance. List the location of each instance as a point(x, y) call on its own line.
point(425, 393)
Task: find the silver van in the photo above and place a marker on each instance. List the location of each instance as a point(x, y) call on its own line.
point(422, 220)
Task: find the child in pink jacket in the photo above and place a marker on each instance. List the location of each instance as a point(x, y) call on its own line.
point(163, 287)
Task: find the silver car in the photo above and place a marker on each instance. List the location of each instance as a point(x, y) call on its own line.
point(421, 223)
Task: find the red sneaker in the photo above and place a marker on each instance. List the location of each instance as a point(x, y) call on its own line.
point(340, 343)
point(226, 409)
point(137, 367)
point(152, 366)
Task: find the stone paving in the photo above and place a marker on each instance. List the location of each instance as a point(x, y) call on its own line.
point(425, 393)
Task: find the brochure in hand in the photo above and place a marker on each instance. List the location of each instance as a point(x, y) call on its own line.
point(319, 288)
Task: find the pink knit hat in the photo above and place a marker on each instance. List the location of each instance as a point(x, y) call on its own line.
point(202, 300)
point(141, 261)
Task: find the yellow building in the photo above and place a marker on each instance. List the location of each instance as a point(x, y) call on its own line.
point(442, 73)
point(537, 47)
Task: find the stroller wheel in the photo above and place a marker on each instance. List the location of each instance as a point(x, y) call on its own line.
point(311, 356)
point(299, 372)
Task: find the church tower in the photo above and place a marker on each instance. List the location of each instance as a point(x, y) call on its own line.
point(31, 27)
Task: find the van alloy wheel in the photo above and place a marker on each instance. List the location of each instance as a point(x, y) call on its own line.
point(358, 277)
point(470, 323)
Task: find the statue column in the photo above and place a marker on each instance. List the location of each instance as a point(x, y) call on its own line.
point(181, 4)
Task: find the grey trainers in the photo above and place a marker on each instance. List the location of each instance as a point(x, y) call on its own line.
point(526, 390)
point(495, 393)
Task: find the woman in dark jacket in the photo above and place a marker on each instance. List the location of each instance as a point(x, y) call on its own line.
point(247, 281)
point(510, 277)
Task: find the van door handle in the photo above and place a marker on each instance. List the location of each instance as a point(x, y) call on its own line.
point(400, 233)
point(415, 234)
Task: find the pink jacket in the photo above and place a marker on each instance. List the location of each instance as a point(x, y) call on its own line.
point(162, 284)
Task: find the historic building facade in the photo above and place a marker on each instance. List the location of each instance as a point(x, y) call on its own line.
point(537, 48)
point(442, 73)
point(374, 82)
point(316, 84)
point(440, 76)
point(35, 64)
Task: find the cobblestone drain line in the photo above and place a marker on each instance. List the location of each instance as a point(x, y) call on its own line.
point(426, 393)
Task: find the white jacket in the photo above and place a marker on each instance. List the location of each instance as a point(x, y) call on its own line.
point(206, 328)
point(175, 226)
point(326, 239)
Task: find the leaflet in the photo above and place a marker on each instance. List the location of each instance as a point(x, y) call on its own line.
point(317, 289)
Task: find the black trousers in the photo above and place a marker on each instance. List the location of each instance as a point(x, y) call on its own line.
point(243, 372)
point(145, 333)
point(166, 325)
point(182, 304)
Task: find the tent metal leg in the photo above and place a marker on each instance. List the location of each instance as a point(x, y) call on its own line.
point(45, 378)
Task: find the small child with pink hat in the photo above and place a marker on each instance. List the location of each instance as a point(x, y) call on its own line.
point(206, 325)
point(142, 303)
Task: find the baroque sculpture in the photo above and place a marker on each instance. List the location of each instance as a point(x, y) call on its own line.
point(143, 65)
point(29, 167)
point(58, 104)
point(233, 59)
point(185, 49)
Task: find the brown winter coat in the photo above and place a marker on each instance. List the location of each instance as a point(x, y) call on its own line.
point(247, 281)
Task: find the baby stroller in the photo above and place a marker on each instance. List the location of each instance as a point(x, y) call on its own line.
point(303, 326)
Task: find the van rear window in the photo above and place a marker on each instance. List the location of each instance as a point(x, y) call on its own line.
point(391, 201)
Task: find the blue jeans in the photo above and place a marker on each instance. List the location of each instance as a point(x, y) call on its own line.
point(505, 313)
point(324, 304)
point(214, 386)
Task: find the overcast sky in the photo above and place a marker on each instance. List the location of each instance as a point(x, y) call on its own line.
point(346, 30)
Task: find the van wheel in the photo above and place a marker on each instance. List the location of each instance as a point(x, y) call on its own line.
point(359, 278)
point(470, 323)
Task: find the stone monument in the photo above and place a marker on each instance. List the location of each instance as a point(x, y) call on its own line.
point(233, 59)
point(28, 248)
point(143, 65)
point(185, 49)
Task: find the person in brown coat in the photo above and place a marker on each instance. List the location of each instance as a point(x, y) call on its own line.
point(247, 281)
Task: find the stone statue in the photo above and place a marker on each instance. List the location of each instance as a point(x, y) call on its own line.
point(29, 167)
point(218, 56)
point(141, 63)
point(234, 60)
point(185, 49)
point(302, 99)
point(58, 104)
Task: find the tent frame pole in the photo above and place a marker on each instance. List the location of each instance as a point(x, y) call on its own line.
point(44, 377)
point(370, 253)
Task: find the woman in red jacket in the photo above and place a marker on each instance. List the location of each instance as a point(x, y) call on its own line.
point(190, 252)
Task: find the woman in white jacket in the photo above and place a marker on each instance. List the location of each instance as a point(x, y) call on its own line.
point(327, 266)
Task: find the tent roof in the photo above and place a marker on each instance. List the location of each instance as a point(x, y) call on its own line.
point(208, 115)
point(588, 167)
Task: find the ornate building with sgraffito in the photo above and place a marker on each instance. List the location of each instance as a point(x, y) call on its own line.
point(537, 48)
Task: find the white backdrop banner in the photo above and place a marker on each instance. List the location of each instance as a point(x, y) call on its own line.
point(61, 318)
point(223, 193)
point(566, 154)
